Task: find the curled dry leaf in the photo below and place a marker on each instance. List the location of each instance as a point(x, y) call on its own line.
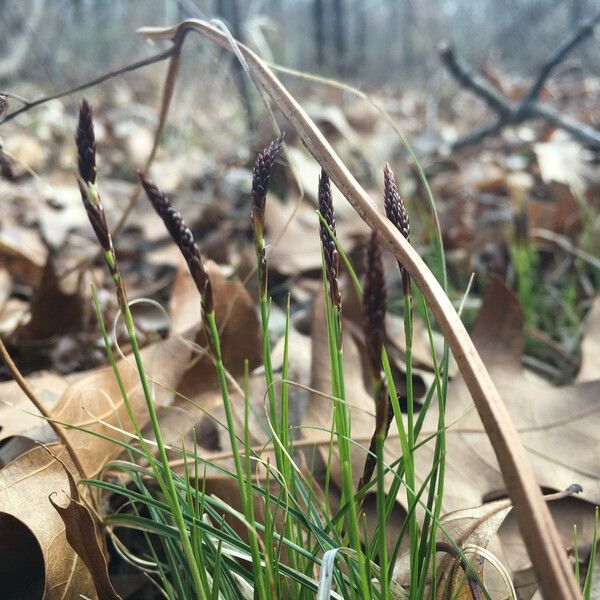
point(85, 537)
point(551, 420)
point(469, 527)
point(35, 556)
point(27, 482)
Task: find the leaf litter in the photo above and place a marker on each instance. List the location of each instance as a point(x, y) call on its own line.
point(478, 198)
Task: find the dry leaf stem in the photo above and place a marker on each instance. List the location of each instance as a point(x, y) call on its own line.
point(537, 527)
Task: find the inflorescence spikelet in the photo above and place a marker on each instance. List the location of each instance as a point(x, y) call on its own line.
point(374, 310)
point(261, 174)
point(183, 237)
point(86, 143)
point(86, 162)
point(330, 252)
point(396, 213)
point(374, 304)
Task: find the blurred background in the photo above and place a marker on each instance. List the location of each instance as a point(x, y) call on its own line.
point(371, 42)
point(519, 201)
point(513, 169)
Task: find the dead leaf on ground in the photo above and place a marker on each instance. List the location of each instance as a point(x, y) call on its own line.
point(97, 398)
point(21, 425)
point(23, 253)
point(85, 537)
point(566, 513)
point(298, 250)
point(237, 320)
point(52, 311)
point(551, 420)
point(29, 522)
point(560, 213)
point(17, 415)
point(26, 483)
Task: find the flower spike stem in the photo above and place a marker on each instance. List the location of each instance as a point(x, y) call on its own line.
point(184, 239)
point(341, 414)
point(374, 309)
point(261, 175)
point(93, 205)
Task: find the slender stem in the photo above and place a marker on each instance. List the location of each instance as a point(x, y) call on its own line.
point(427, 550)
point(284, 424)
point(168, 474)
point(408, 463)
point(381, 514)
point(576, 551)
point(413, 525)
point(264, 316)
point(213, 332)
point(280, 425)
point(342, 426)
point(22, 383)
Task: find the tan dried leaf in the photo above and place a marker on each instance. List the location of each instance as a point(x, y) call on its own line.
point(85, 537)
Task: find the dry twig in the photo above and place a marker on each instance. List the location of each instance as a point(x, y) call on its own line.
point(529, 106)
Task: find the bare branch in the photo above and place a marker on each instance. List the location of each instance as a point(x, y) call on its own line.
point(88, 84)
point(528, 107)
point(478, 85)
point(585, 30)
point(584, 133)
point(477, 134)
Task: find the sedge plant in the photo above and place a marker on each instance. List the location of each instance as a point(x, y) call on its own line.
point(396, 213)
point(193, 551)
point(341, 413)
point(86, 154)
point(184, 239)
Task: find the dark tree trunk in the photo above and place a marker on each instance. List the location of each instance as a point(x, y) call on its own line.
point(229, 11)
point(319, 31)
point(361, 36)
point(339, 34)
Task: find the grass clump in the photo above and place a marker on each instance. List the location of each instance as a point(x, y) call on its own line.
point(302, 546)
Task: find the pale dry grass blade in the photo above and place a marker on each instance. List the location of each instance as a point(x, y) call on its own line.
point(539, 532)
